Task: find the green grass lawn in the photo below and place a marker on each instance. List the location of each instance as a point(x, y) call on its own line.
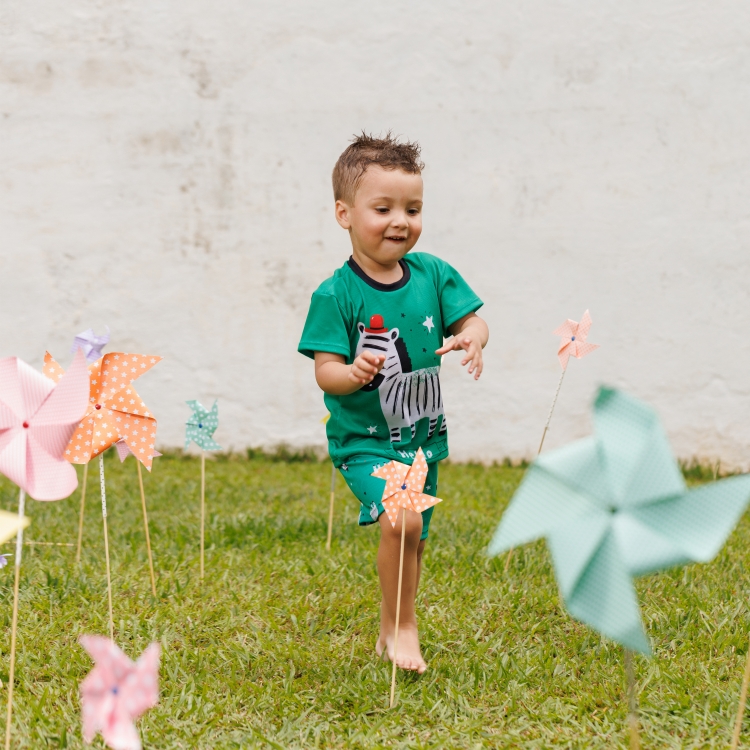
point(276, 648)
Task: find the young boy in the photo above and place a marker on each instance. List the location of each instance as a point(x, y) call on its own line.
point(375, 330)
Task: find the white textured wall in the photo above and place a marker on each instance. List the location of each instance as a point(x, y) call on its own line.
point(164, 170)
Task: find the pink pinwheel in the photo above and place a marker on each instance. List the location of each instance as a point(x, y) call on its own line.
point(573, 341)
point(37, 419)
point(117, 691)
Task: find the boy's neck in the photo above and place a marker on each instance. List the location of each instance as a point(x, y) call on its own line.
point(385, 273)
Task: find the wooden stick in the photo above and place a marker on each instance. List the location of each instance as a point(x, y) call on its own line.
point(551, 410)
point(203, 506)
point(330, 507)
point(635, 738)
point(544, 434)
point(398, 609)
point(145, 526)
point(14, 626)
point(743, 704)
point(83, 503)
point(106, 546)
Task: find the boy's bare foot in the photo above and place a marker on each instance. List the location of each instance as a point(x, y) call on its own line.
point(409, 654)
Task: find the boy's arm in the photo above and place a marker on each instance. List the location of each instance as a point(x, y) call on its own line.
point(471, 334)
point(337, 378)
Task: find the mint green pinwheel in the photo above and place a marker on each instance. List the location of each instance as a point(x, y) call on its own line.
point(613, 506)
point(201, 426)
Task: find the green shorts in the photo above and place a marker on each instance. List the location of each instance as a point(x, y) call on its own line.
point(368, 490)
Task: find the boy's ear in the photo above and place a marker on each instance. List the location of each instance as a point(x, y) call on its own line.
point(342, 214)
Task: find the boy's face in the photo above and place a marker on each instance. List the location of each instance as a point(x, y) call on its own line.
point(385, 220)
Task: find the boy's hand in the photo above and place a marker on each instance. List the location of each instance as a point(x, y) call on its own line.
point(470, 341)
point(366, 367)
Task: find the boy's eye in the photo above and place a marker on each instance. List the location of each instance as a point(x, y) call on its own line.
point(382, 210)
point(413, 211)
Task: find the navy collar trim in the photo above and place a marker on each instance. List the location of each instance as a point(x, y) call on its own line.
point(402, 282)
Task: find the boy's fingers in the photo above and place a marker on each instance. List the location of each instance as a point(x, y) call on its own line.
point(370, 363)
point(372, 358)
point(445, 348)
point(360, 374)
point(452, 344)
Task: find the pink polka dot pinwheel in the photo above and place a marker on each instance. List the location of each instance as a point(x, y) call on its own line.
point(573, 342)
point(403, 487)
point(115, 411)
point(37, 419)
point(117, 691)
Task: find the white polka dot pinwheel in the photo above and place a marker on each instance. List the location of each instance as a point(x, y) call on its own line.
point(403, 491)
point(200, 429)
point(117, 691)
point(573, 343)
point(115, 412)
point(403, 487)
point(573, 339)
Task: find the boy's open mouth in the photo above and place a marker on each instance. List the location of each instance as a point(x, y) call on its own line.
point(396, 239)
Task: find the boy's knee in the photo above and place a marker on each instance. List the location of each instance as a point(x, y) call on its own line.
point(413, 528)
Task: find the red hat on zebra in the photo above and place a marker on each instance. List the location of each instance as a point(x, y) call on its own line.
point(376, 325)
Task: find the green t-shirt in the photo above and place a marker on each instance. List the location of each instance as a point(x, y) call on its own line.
point(402, 409)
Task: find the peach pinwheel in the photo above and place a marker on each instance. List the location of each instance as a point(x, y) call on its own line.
point(573, 339)
point(403, 491)
point(115, 411)
point(123, 451)
point(403, 487)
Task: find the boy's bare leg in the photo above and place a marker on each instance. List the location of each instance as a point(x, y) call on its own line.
point(409, 655)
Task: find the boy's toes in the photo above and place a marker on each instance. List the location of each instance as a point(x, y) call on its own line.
point(404, 662)
point(412, 664)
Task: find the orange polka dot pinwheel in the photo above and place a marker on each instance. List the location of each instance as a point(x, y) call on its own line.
point(403, 487)
point(116, 411)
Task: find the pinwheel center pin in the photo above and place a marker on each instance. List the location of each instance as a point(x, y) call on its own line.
point(98, 406)
point(114, 690)
point(200, 426)
point(572, 338)
point(403, 486)
point(26, 425)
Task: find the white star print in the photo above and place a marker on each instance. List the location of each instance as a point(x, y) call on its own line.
point(372, 429)
point(428, 324)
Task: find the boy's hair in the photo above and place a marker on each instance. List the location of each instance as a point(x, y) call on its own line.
point(366, 150)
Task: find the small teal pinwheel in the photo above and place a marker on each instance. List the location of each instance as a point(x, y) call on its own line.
point(201, 426)
point(614, 506)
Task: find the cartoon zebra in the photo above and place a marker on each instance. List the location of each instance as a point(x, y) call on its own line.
point(406, 396)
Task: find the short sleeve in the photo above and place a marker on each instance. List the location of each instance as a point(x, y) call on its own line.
point(325, 328)
point(457, 298)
